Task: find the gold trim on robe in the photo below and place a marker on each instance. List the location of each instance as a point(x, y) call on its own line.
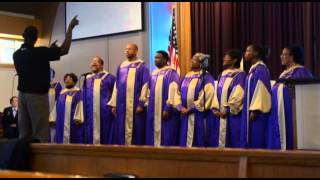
point(129, 98)
point(215, 101)
point(190, 102)
point(158, 102)
point(230, 71)
point(129, 105)
point(127, 62)
point(198, 104)
point(69, 90)
point(248, 101)
point(156, 71)
point(79, 113)
point(52, 104)
point(158, 111)
point(223, 104)
point(242, 64)
point(261, 99)
point(144, 94)
point(235, 101)
point(272, 82)
point(255, 65)
point(289, 70)
point(67, 116)
point(174, 95)
point(191, 73)
point(53, 114)
point(113, 99)
point(281, 109)
point(177, 94)
point(97, 108)
point(96, 111)
point(282, 117)
point(52, 98)
point(209, 93)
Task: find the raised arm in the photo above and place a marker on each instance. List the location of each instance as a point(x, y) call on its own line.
point(65, 46)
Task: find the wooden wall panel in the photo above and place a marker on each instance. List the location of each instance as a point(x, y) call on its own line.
point(184, 36)
point(173, 162)
point(16, 25)
point(24, 174)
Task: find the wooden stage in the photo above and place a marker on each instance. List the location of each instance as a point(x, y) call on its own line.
point(143, 161)
point(25, 174)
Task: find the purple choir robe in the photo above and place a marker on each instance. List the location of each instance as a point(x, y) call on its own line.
point(225, 132)
point(257, 98)
point(281, 122)
point(192, 126)
point(132, 78)
point(163, 88)
point(67, 111)
point(54, 92)
point(99, 120)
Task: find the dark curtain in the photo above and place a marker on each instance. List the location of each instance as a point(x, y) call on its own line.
point(220, 26)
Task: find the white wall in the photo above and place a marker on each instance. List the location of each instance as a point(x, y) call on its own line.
point(6, 83)
point(109, 48)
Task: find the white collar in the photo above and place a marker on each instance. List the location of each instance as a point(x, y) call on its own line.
point(127, 62)
point(256, 64)
point(156, 71)
point(227, 71)
point(65, 90)
point(93, 74)
point(292, 68)
point(192, 73)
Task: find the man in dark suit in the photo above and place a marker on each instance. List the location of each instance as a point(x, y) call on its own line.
point(10, 119)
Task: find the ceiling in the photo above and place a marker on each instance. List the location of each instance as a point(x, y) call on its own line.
point(43, 11)
point(30, 8)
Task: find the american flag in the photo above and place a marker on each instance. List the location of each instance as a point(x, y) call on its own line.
point(173, 45)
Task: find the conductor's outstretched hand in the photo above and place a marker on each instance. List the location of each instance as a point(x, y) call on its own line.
point(74, 22)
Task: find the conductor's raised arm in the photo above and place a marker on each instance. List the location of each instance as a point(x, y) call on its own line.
point(68, 38)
